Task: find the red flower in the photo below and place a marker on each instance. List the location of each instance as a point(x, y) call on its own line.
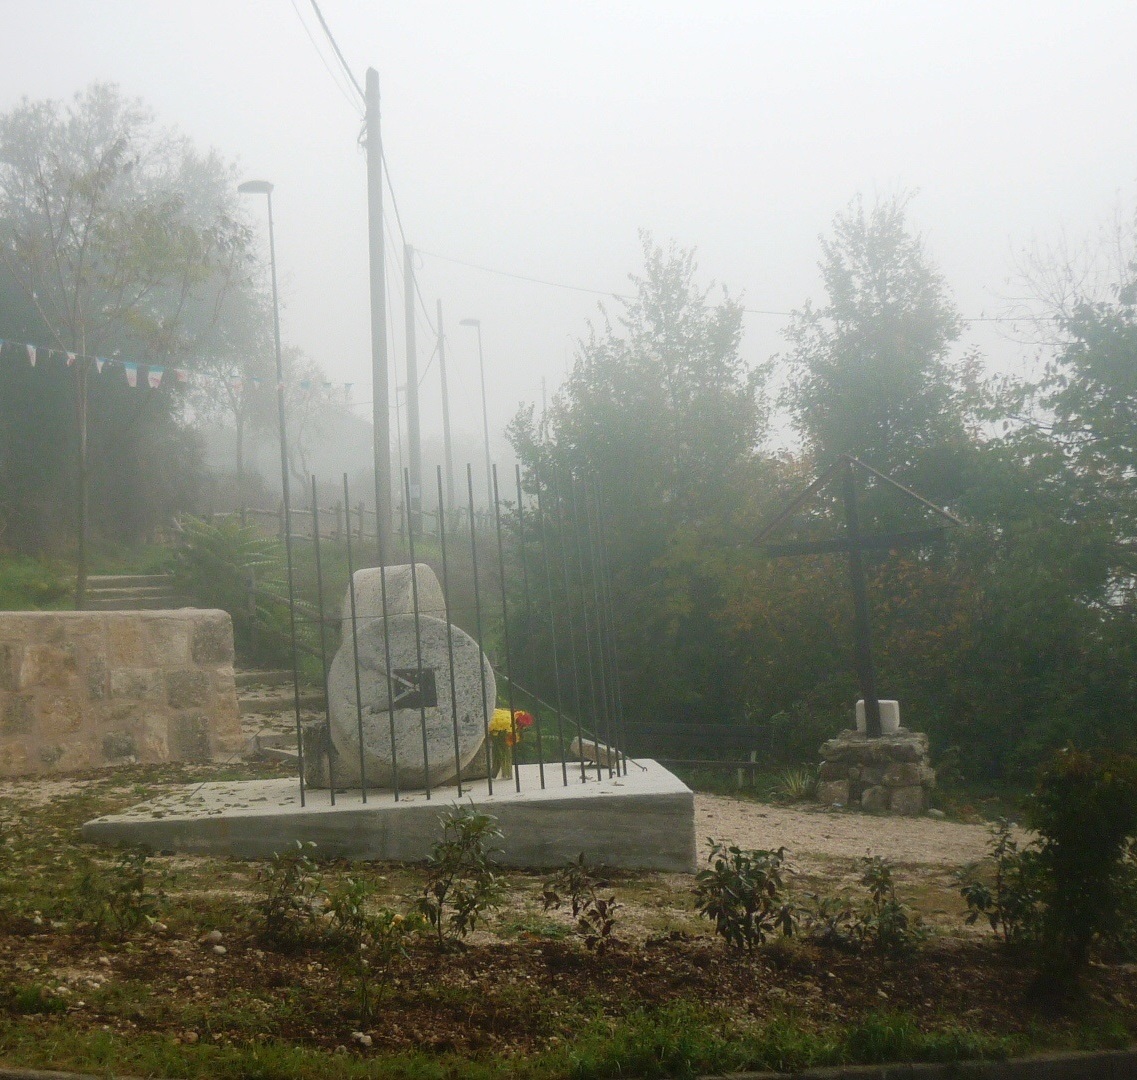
point(523, 719)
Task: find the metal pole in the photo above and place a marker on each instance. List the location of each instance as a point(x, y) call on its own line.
point(552, 627)
point(478, 626)
point(528, 606)
point(601, 648)
point(505, 629)
point(418, 640)
point(571, 631)
point(380, 416)
point(387, 662)
point(84, 494)
point(414, 440)
point(355, 654)
point(485, 419)
point(584, 624)
point(610, 612)
point(285, 489)
point(323, 639)
point(449, 637)
point(865, 670)
point(446, 445)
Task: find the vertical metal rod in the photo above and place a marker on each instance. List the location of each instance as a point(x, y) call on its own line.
point(528, 606)
point(387, 661)
point(323, 641)
point(610, 607)
point(478, 626)
point(447, 449)
point(418, 638)
point(505, 628)
point(861, 603)
point(414, 438)
point(571, 631)
point(449, 635)
point(355, 654)
point(552, 626)
point(584, 624)
point(598, 618)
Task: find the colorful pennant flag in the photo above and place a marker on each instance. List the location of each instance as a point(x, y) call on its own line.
point(131, 374)
point(31, 354)
point(154, 377)
point(71, 358)
point(99, 364)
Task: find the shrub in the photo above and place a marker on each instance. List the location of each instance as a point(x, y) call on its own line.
point(461, 881)
point(796, 785)
point(595, 915)
point(743, 892)
point(119, 898)
point(1009, 900)
point(293, 895)
point(372, 941)
point(1085, 811)
point(885, 922)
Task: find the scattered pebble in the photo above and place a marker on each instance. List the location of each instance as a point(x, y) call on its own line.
point(361, 1038)
point(220, 950)
point(105, 961)
point(214, 937)
point(190, 1036)
point(937, 814)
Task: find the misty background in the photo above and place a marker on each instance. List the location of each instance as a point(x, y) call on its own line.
point(537, 140)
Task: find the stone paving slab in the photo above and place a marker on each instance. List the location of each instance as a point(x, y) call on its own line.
point(644, 820)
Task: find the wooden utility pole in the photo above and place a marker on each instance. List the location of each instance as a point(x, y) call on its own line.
point(414, 438)
point(446, 445)
point(380, 406)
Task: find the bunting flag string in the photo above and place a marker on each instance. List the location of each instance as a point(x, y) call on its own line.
point(154, 374)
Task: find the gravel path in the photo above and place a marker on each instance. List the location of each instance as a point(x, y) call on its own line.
point(816, 835)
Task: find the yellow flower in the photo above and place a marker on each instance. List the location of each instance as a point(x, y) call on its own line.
point(501, 722)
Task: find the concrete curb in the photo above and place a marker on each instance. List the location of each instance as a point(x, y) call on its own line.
point(1092, 1065)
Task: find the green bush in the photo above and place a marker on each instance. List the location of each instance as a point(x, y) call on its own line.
point(119, 899)
point(31, 584)
point(461, 880)
point(595, 914)
point(1008, 897)
point(1085, 812)
point(744, 894)
point(292, 897)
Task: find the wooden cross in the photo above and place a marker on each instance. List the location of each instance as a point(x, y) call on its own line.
point(855, 544)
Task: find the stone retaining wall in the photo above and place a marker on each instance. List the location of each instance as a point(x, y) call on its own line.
point(83, 689)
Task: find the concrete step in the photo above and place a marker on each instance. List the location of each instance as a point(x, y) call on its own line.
point(263, 678)
point(145, 603)
point(130, 592)
point(95, 581)
point(280, 703)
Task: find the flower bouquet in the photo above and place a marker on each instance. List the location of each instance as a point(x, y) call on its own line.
point(506, 729)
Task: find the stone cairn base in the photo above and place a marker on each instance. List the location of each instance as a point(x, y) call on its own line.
point(890, 773)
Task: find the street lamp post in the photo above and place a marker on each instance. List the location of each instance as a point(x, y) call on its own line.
point(477, 324)
point(263, 187)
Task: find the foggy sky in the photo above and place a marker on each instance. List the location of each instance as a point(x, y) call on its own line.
point(539, 137)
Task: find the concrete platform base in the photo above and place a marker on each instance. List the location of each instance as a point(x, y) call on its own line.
point(644, 820)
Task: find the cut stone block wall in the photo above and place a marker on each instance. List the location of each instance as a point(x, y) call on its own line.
point(889, 772)
point(83, 689)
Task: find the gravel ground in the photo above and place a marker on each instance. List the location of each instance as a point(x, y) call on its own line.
point(818, 836)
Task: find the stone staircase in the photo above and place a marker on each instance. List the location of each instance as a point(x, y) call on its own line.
point(268, 712)
point(133, 592)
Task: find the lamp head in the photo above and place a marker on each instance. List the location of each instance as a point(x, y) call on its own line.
point(469, 322)
point(255, 187)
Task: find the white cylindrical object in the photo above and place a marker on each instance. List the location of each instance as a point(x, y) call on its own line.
point(889, 717)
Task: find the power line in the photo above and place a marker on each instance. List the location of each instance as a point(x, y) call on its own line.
point(324, 60)
point(339, 55)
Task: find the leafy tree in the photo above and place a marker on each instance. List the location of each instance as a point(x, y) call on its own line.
point(121, 237)
point(871, 370)
point(661, 416)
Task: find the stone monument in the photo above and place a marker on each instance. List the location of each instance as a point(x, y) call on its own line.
point(888, 772)
point(430, 723)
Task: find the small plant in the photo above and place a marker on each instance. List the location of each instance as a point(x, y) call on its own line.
point(461, 882)
point(885, 923)
point(830, 921)
point(1009, 899)
point(796, 785)
point(293, 895)
point(118, 899)
point(743, 892)
point(372, 941)
point(595, 915)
